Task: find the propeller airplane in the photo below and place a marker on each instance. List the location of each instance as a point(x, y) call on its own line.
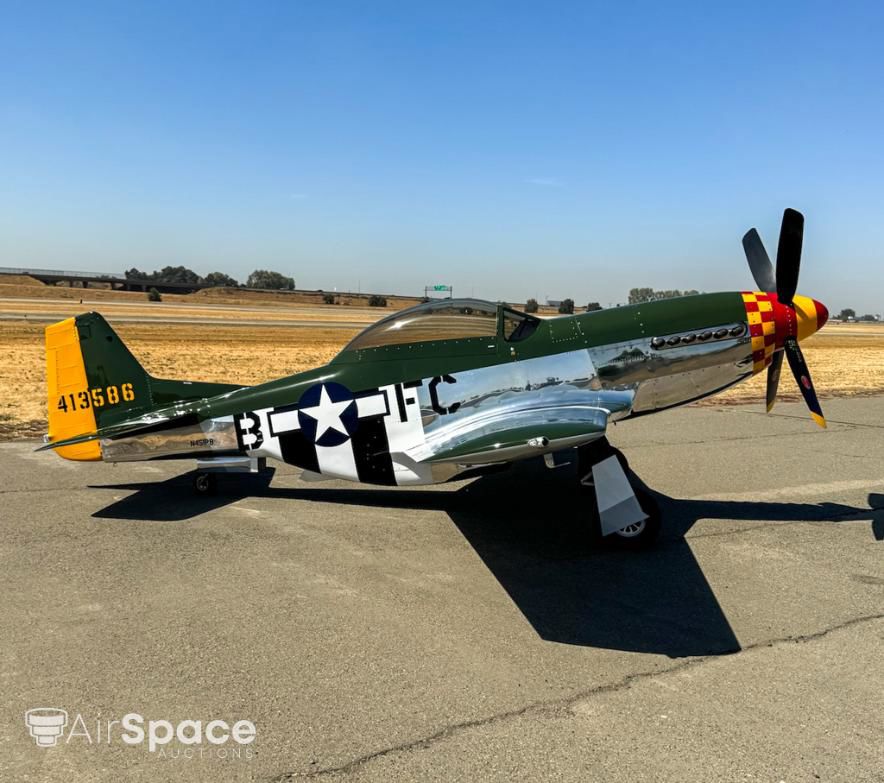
point(449, 389)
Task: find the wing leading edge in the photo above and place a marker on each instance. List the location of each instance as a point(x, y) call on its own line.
point(508, 436)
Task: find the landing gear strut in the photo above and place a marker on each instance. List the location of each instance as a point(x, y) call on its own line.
point(616, 497)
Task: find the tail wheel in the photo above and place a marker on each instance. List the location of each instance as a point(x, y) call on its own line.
point(205, 483)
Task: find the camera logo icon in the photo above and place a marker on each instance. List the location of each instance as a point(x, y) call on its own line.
point(46, 725)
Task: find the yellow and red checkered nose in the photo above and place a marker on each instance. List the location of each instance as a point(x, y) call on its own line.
point(770, 323)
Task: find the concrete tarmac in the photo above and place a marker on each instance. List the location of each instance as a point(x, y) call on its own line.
point(466, 632)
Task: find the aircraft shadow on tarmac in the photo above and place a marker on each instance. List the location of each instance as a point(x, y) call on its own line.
point(525, 524)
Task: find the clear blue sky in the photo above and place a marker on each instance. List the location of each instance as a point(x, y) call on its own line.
point(511, 149)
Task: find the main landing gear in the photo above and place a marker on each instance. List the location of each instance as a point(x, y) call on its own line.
point(622, 510)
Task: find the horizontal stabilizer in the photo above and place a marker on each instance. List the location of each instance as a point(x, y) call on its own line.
point(163, 418)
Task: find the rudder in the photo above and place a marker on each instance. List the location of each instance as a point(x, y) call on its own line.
point(92, 381)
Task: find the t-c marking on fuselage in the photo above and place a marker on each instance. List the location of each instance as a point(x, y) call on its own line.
point(434, 395)
point(402, 400)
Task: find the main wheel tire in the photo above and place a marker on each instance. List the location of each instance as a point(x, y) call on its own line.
point(640, 535)
point(205, 483)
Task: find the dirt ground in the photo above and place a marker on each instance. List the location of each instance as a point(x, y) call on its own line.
point(846, 360)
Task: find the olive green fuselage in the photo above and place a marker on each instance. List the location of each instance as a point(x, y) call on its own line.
point(633, 324)
point(417, 412)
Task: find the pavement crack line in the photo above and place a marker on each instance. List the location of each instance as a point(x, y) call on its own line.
point(556, 706)
point(41, 490)
point(828, 421)
point(728, 438)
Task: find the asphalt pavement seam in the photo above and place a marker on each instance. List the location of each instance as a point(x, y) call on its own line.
point(732, 439)
point(828, 421)
point(557, 706)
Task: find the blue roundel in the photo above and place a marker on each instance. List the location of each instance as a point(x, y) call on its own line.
point(328, 414)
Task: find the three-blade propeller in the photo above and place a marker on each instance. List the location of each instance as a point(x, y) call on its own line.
point(784, 283)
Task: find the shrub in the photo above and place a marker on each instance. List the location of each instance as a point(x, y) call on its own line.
point(377, 301)
point(328, 298)
point(531, 306)
point(221, 279)
point(154, 296)
point(566, 307)
point(264, 278)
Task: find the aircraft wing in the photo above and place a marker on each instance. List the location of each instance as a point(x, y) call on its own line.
point(508, 436)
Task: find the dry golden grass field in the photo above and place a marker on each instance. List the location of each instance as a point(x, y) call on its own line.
point(22, 286)
point(845, 359)
point(231, 354)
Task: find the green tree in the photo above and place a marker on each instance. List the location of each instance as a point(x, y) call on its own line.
point(531, 306)
point(221, 279)
point(592, 307)
point(566, 307)
point(328, 298)
point(168, 274)
point(847, 312)
point(377, 301)
point(867, 317)
point(177, 274)
point(264, 278)
point(639, 295)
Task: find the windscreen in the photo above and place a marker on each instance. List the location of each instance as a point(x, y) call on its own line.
point(446, 320)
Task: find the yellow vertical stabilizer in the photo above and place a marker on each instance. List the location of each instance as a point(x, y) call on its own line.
point(67, 387)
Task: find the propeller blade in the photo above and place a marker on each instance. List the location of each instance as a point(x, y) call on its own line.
point(773, 379)
point(789, 255)
point(802, 375)
point(759, 262)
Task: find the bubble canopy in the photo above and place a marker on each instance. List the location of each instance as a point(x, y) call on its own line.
point(447, 319)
